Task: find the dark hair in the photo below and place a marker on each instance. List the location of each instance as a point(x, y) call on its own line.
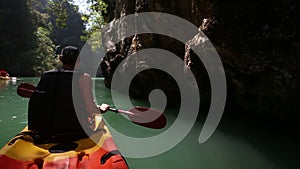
point(69, 55)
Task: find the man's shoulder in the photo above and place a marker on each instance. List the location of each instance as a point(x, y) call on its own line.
point(54, 71)
point(51, 71)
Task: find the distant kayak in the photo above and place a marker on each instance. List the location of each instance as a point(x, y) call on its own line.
point(4, 75)
point(4, 78)
point(22, 152)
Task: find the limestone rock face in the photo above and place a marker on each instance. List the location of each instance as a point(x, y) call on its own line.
point(258, 43)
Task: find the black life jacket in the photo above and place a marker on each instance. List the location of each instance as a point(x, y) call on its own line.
point(51, 108)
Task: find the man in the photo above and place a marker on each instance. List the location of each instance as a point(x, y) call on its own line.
point(52, 111)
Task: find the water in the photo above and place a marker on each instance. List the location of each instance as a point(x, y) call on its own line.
point(238, 143)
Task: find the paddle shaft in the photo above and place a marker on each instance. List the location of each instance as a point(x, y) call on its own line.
point(120, 111)
point(30, 91)
point(138, 115)
point(26, 90)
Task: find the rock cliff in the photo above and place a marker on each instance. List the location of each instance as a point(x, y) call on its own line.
point(257, 41)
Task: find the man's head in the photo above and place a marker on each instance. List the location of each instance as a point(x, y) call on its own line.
point(69, 55)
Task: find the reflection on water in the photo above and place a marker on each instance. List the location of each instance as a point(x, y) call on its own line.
point(13, 109)
point(237, 144)
point(3, 84)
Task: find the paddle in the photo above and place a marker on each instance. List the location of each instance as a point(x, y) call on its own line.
point(142, 116)
point(25, 90)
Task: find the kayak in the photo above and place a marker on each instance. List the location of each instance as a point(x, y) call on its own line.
point(21, 152)
point(4, 75)
point(4, 78)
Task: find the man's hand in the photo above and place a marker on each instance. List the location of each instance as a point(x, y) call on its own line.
point(103, 108)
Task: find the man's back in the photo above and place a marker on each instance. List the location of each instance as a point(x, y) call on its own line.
point(51, 109)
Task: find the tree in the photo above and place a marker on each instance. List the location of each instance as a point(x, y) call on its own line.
point(29, 31)
point(67, 24)
point(16, 36)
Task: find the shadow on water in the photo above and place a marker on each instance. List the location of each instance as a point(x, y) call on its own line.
point(238, 143)
point(275, 140)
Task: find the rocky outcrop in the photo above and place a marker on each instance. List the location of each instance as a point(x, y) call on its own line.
point(258, 43)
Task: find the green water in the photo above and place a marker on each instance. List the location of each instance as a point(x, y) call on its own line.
point(238, 143)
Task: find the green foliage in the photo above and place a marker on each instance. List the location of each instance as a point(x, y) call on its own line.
point(44, 54)
point(16, 36)
point(59, 9)
point(70, 31)
point(94, 20)
point(29, 32)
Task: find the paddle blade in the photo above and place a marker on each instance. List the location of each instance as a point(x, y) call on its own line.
point(148, 117)
point(25, 90)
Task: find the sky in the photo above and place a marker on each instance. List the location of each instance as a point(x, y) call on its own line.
point(82, 5)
